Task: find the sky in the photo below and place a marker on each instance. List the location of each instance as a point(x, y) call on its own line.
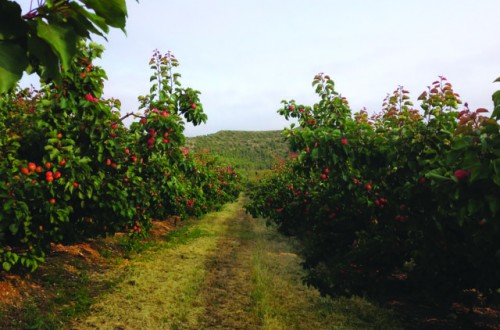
point(246, 56)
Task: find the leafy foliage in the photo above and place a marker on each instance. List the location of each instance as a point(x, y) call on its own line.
point(404, 199)
point(70, 169)
point(45, 39)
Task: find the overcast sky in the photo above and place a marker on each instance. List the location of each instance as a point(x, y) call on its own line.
point(245, 56)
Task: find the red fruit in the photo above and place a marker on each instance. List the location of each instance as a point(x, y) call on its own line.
point(89, 97)
point(57, 175)
point(59, 136)
point(461, 174)
point(75, 184)
point(166, 141)
point(155, 110)
point(114, 125)
point(25, 171)
point(139, 230)
point(113, 135)
point(422, 180)
point(32, 166)
point(125, 179)
point(127, 151)
point(39, 169)
point(108, 161)
point(134, 158)
point(292, 108)
point(344, 141)
point(62, 162)
point(48, 165)
point(113, 165)
point(326, 170)
point(144, 121)
point(164, 113)
point(368, 187)
point(323, 176)
point(165, 135)
point(52, 201)
point(49, 178)
point(193, 106)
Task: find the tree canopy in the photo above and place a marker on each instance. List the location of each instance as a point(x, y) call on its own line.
point(44, 40)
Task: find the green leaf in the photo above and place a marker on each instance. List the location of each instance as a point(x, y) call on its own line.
point(496, 165)
point(6, 266)
point(61, 38)
point(40, 49)
point(496, 179)
point(461, 143)
point(496, 102)
point(479, 173)
point(13, 26)
point(435, 175)
point(7, 206)
point(13, 228)
point(84, 21)
point(315, 153)
point(113, 11)
point(493, 204)
point(13, 61)
point(471, 160)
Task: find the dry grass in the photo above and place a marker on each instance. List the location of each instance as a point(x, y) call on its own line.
point(162, 284)
point(227, 271)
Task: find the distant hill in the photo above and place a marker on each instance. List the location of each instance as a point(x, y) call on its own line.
point(247, 150)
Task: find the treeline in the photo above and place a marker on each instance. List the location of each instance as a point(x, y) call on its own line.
point(246, 150)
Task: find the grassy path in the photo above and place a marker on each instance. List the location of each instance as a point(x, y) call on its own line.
point(228, 271)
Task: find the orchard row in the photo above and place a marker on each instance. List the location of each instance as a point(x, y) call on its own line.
point(70, 169)
point(405, 199)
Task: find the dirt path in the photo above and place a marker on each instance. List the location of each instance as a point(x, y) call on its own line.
point(228, 271)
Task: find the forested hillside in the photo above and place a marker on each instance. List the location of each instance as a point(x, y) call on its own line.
point(248, 150)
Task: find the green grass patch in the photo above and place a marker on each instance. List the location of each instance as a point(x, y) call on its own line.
point(184, 236)
point(282, 301)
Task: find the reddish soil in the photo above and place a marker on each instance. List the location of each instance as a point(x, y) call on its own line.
point(67, 260)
